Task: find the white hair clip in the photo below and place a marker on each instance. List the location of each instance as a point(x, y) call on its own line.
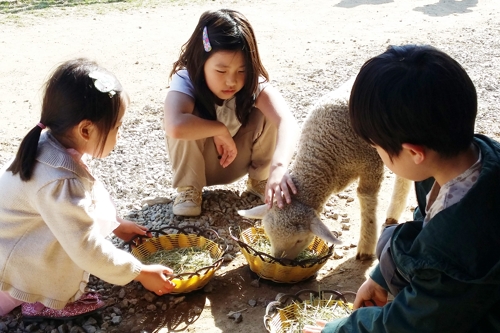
point(105, 82)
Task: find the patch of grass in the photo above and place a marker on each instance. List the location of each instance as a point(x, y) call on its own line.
point(307, 312)
point(262, 244)
point(181, 260)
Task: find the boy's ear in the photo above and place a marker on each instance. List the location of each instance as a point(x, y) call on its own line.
point(417, 152)
point(84, 129)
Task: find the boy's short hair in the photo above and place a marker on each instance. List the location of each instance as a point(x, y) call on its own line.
point(414, 94)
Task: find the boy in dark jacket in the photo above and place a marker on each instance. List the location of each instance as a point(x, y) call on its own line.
point(417, 106)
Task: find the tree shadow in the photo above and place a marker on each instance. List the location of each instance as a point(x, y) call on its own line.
point(447, 7)
point(236, 291)
point(166, 315)
point(355, 3)
point(343, 277)
point(13, 7)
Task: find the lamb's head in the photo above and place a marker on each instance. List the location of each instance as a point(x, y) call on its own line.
point(290, 229)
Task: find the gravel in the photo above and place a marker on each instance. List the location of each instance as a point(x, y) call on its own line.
point(138, 171)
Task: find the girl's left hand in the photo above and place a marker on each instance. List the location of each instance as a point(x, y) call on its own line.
point(320, 324)
point(226, 148)
point(128, 230)
point(279, 185)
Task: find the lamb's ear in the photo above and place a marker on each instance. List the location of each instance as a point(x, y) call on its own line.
point(257, 212)
point(320, 229)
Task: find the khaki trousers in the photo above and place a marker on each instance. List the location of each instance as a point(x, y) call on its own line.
point(195, 162)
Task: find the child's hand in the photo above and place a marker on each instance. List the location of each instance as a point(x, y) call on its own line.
point(370, 292)
point(153, 278)
point(128, 230)
point(226, 148)
point(320, 324)
point(279, 185)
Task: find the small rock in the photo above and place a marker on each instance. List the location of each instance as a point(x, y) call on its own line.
point(116, 320)
point(208, 288)
point(338, 254)
point(154, 201)
point(238, 317)
point(255, 283)
point(178, 300)
point(90, 321)
point(150, 297)
point(63, 328)
point(89, 328)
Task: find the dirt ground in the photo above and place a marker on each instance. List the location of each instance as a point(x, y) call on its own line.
point(308, 47)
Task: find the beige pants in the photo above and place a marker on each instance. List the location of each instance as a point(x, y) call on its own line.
point(195, 162)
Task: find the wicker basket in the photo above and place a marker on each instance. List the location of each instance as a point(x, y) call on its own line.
point(276, 269)
point(189, 236)
point(286, 308)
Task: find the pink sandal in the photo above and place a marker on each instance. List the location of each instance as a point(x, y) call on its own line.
point(87, 304)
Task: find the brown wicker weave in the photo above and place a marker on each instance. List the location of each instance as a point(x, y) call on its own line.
point(276, 269)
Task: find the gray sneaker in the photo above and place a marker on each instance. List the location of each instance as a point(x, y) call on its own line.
point(187, 202)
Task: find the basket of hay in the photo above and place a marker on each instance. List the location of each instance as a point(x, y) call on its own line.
point(194, 254)
point(290, 313)
point(255, 246)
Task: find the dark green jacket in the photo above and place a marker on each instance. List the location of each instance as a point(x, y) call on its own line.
point(452, 265)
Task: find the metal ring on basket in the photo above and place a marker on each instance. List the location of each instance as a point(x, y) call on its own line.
point(191, 236)
point(285, 300)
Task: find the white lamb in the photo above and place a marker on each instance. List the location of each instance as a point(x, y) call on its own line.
point(330, 156)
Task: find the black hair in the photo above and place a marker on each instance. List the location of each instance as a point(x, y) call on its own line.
point(228, 30)
point(72, 95)
point(414, 94)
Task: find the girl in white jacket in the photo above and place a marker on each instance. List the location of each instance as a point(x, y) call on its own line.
point(54, 215)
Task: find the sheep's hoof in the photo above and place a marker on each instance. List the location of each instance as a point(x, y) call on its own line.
point(364, 256)
point(390, 221)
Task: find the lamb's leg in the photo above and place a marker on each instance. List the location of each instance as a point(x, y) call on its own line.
point(368, 189)
point(398, 201)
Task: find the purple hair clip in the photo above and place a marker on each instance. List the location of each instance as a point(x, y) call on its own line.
point(206, 41)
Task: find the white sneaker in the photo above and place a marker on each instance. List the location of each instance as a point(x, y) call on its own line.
point(187, 202)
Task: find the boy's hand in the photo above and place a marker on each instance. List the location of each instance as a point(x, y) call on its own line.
point(153, 278)
point(128, 230)
point(370, 292)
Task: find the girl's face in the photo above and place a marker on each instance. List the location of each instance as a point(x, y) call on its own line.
point(112, 137)
point(225, 73)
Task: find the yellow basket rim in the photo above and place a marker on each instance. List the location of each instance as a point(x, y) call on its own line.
point(215, 265)
point(305, 263)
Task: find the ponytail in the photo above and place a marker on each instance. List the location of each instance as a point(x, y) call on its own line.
point(24, 162)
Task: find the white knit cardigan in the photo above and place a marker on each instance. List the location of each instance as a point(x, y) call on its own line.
point(49, 237)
